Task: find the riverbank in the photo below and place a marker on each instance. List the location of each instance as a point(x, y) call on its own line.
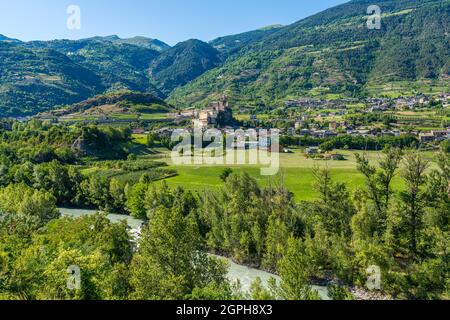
point(246, 274)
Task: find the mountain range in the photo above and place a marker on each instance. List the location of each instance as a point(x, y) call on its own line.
point(331, 54)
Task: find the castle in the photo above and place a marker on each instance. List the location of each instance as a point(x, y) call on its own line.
point(215, 115)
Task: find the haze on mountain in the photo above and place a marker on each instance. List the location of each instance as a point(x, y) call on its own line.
point(330, 54)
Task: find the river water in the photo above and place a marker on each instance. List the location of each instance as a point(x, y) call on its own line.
point(245, 275)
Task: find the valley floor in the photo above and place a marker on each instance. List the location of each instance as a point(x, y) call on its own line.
point(296, 171)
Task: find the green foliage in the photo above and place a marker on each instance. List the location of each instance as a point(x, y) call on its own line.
point(230, 45)
point(340, 293)
point(38, 76)
point(445, 146)
point(99, 248)
point(295, 275)
point(225, 174)
point(33, 80)
point(169, 264)
point(352, 142)
point(23, 201)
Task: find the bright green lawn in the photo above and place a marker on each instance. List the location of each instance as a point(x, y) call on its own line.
point(296, 171)
point(140, 139)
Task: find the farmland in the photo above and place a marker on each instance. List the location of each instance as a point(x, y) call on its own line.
point(296, 172)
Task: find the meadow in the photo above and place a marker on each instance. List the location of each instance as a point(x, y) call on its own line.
point(296, 172)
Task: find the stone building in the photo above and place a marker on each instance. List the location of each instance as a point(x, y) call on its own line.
point(215, 115)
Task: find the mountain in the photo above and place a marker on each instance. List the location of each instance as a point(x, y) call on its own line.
point(30, 84)
point(329, 55)
point(6, 39)
point(334, 54)
point(144, 42)
point(229, 45)
point(40, 75)
point(120, 66)
point(32, 80)
point(182, 63)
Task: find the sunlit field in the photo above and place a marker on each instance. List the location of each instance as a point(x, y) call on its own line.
point(296, 171)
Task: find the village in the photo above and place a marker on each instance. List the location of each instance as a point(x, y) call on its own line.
point(320, 119)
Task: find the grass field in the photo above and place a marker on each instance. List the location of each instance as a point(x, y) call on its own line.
point(296, 172)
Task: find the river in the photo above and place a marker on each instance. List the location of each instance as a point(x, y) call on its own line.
point(244, 274)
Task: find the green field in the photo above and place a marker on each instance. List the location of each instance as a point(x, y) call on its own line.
point(296, 172)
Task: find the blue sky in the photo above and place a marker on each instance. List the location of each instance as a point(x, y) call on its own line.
point(171, 21)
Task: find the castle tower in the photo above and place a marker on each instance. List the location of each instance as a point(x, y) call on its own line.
point(223, 103)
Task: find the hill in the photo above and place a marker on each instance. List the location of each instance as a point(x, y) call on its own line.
point(6, 39)
point(182, 63)
point(120, 66)
point(329, 55)
point(111, 104)
point(41, 75)
point(334, 54)
point(32, 80)
point(144, 42)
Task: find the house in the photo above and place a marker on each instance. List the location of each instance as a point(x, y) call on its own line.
point(333, 125)
point(305, 132)
point(441, 135)
point(434, 136)
point(291, 131)
point(312, 150)
point(299, 125)
point(426, 137)
point(138, 131)
point(337, 157)
point(396, 133)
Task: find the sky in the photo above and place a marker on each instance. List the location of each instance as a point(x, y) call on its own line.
point(171, 21)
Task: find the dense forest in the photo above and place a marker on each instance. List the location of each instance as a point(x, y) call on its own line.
point(334, 238)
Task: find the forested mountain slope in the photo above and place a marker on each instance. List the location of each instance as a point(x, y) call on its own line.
point(229, 45)
point(32, 80)
point(184, 62)
point(334, 54)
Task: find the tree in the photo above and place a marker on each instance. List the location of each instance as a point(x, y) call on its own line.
point(378, 187)
point(95, 246)
point(136, 201)
point(414, 197)
point(283, 221)
point(340, 293)
point(259, 293)
point(117, 196)
point(21, 200)
point(276, 242)
point(170, 263)
point(225, 174)
point(334, 209)
point(295, 276)
point(445, 146)
point(152, 138)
